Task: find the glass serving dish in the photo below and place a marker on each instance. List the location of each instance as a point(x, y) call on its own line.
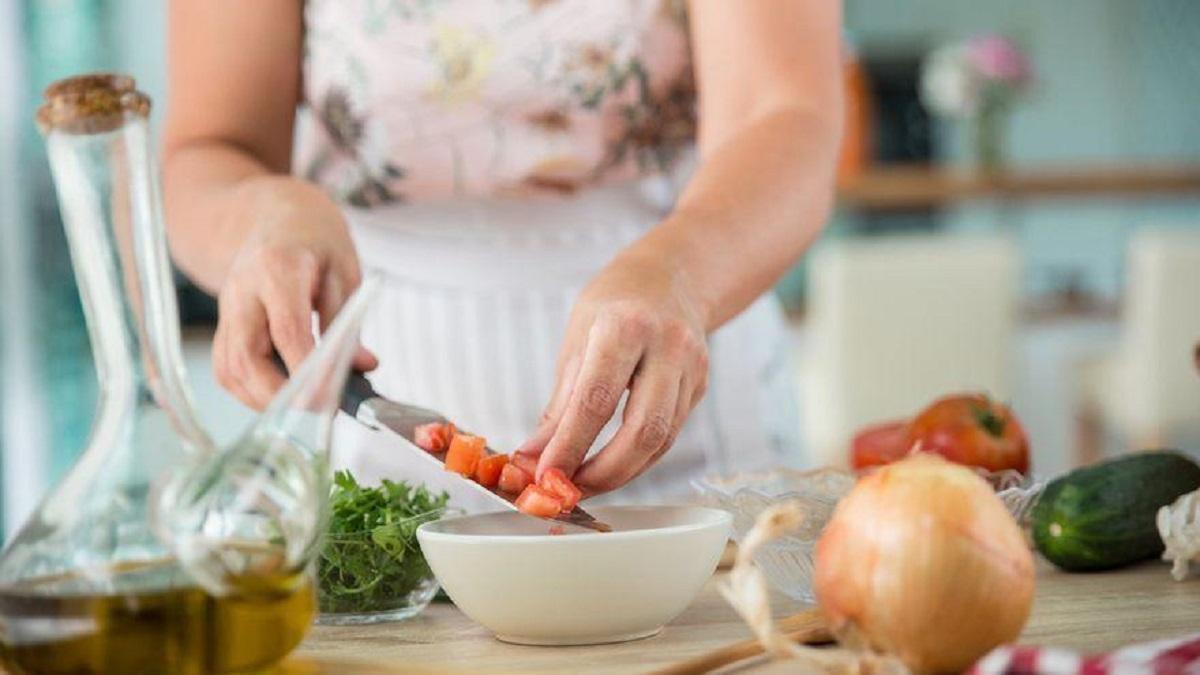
point(376, 575)
point(788, 561)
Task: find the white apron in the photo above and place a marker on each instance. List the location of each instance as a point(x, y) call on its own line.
point(473, 312)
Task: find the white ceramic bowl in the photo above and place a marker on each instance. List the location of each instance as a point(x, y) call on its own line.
point(504, 571)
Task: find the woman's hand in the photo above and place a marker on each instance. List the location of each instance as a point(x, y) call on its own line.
point(638, 327)
point(297, 258)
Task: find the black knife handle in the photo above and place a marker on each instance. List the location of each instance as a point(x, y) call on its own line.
point(358, 389)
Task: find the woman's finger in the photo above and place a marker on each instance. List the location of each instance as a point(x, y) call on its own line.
point(555, 408)
point(699, 381)
point(249, 350)
point(222, 370)
point(647, 428)
point(683, 408)
point(331, 295)
point(610, 356)
point(287, 299)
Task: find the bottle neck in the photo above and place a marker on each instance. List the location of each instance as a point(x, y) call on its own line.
point(111, 207)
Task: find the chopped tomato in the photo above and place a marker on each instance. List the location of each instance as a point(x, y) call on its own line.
point(538, 502)
point(433, 437)
point(557, 529)
point(464, 454)
point(514, 479)
point(527, 463)
point(487, 472)
point(555, 482)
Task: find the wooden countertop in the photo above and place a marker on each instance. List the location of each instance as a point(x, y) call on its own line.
point(1089, 612)
point(919, 186)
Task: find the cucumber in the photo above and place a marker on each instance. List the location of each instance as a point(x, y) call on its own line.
point(1102, 516)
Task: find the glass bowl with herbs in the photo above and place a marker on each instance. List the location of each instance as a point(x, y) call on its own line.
point(371, 568)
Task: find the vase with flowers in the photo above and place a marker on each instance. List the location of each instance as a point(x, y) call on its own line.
point(978, 80)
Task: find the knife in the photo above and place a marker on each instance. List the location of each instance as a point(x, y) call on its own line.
point(363, 403)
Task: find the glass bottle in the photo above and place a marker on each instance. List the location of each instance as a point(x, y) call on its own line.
point(94, 582)
point(255, 512)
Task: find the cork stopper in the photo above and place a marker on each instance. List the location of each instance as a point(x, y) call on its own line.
point(90, 104)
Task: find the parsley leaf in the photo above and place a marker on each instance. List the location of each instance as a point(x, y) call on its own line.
point(371, 560)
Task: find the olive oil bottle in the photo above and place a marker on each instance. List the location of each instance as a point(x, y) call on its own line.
point(158, 552)
point(176, 629)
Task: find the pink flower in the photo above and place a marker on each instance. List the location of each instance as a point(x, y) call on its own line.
point(996, 58)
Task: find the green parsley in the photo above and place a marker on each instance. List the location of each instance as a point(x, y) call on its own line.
point(371, 559)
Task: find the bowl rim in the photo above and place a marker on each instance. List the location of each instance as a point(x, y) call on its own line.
point(716, 518)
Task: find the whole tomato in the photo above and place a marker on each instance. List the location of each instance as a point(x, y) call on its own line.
point(972, 429)
point(880, 444)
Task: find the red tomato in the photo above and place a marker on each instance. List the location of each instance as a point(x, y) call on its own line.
point(556, 483)
point(879, 444)
point(487, 472)
point(538, 502)
point(974, 430)
point(528, 463)
point(428, 436)
point(433, 437)
point(464, 454)
point(514, 479)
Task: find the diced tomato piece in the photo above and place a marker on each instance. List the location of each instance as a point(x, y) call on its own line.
point(464, 454)
point(433, 437)
point(487, 472)
point(557, 529)
point(555, 482)
point(527, 463)
point(537, 502)
point(514, 479)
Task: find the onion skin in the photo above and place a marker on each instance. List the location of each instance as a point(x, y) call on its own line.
point(923, 562)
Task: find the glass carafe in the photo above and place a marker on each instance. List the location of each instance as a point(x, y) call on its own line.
point(157, 552)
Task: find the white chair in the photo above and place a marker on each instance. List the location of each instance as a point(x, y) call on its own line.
point(895, 322)
point(1148, 391)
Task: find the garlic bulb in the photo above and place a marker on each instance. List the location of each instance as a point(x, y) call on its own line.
point(1179, 527)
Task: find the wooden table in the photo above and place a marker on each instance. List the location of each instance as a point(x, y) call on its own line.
point(1089, 612)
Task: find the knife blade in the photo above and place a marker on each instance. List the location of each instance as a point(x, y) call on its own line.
point(363, 403)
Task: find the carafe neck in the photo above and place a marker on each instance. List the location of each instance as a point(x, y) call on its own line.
point(108, 191)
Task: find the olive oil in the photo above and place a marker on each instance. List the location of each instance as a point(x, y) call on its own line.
point(176, 630)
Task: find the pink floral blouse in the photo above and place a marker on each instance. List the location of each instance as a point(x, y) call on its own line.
point(428, 99)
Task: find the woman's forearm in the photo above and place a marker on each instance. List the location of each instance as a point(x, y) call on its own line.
point(215, 194)
point(201, 183)
point(754, 204)
point(758, 198)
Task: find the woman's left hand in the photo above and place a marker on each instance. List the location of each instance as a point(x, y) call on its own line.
point(638, 326)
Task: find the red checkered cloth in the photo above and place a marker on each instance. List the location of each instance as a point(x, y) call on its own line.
point(1178, 656)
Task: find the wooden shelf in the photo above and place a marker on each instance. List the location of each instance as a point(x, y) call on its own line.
point(921, 187)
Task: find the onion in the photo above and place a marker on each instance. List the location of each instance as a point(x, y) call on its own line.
point(922, 561)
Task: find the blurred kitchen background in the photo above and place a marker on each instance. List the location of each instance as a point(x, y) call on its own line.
point(1019, 212)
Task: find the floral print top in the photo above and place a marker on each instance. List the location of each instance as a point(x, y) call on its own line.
point(428, 99)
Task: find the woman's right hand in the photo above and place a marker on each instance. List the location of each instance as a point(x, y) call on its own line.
point(296, 259)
